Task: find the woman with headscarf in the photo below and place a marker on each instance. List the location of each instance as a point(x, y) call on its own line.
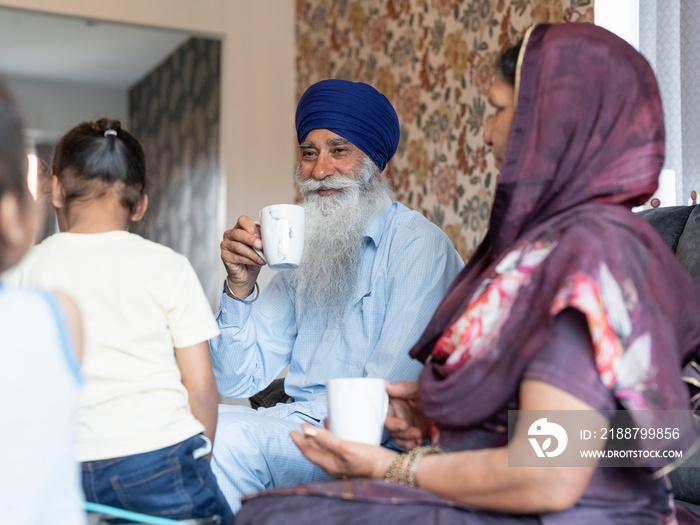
point(572, 305)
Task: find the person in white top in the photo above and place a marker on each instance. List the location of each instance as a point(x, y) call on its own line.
point(40, 343)
point(149, 403)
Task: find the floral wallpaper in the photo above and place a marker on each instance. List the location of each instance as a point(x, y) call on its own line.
point(434, 60)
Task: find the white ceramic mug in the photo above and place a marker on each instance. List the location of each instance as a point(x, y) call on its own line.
point(357, 408)
point(282, 229)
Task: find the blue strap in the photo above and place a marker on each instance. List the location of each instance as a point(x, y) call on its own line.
point(128, 515)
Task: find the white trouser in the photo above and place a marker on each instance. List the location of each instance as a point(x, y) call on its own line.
point(253, 452)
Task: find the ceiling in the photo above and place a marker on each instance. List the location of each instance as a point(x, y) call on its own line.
point(65, 49)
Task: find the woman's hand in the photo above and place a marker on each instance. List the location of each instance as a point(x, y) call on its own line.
point(340, 458)
point(404, 420)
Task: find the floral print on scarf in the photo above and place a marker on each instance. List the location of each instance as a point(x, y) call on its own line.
point(623, 362)
point(480, 325)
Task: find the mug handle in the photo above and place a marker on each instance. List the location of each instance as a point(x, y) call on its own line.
point(259, 252)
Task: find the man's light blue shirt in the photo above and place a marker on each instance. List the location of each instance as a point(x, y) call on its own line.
point(406, 267)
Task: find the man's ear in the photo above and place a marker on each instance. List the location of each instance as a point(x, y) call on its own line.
point(57, 197)
point(140, 209)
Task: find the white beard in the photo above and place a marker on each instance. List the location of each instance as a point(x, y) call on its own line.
point(335, 227)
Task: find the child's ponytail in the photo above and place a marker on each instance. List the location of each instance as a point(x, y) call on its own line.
point(93, 157)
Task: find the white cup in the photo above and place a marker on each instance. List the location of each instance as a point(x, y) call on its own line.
point(357, 408)
point(282, 228)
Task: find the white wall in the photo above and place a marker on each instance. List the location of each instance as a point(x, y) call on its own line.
point(52, 108)
point(257, 96)
point(619, 16)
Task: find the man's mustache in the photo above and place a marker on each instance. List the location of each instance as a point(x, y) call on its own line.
point(329, 183)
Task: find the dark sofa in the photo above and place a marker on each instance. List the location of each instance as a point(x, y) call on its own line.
point(679, 226)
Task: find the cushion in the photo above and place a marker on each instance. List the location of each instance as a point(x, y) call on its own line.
point(679, 227)
point(270, 396)
point(669, 222)
point(688, 248)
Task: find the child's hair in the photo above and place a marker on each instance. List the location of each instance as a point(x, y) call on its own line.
point(13, 158)
point(94, 157)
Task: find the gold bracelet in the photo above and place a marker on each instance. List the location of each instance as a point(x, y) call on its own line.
point(403, 469)
point(413, 465)
point(392, 474)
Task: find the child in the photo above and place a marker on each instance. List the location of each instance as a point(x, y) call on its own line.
point(39, 378)
point(149, 404)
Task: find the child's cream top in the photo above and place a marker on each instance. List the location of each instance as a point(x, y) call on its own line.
point(139, 301)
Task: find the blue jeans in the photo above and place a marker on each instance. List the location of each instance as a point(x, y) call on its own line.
point(168, 482)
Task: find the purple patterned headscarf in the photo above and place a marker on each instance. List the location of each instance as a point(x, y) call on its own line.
point(586, 144)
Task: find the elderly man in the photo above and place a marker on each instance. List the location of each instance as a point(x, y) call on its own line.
point(372, 274)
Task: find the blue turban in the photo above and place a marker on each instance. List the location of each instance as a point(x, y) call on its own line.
point(355, 111)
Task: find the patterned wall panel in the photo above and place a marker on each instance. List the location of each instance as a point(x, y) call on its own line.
point(647, 30)
point(668, 73)
point(175, 115)
point(434, 60)
point(669, 39)
point(689, 63)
